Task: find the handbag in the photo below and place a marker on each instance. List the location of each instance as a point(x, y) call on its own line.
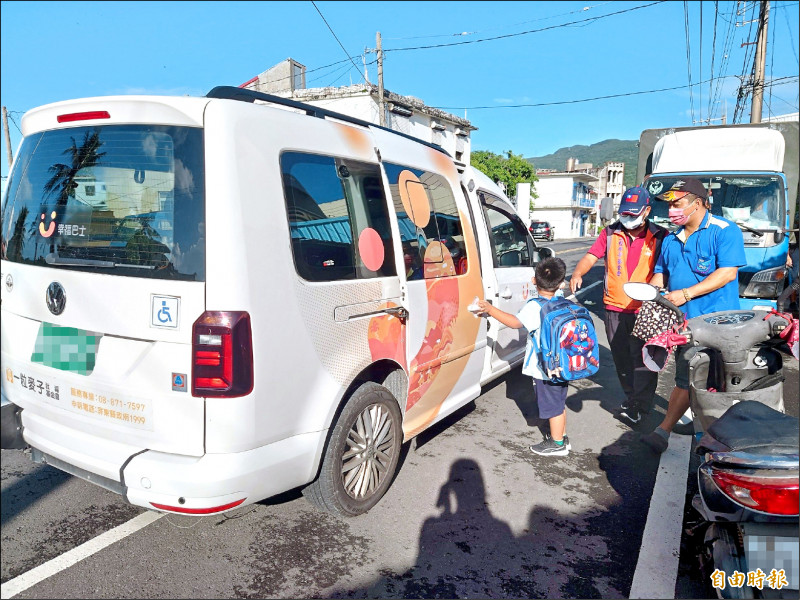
point(652, 320)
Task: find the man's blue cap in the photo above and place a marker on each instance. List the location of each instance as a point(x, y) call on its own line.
point(634, 201)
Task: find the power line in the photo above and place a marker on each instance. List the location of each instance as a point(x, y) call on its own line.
point(688, 55)
point(791, 38)
point(510, 35)
point(337, 39)
point(463, 33)
point(727, 46)
point(288, 77)
point(677, 87)
point(743, 92)
point(700, 88)
point(713, 55)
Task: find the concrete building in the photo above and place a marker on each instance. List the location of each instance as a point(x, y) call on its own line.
point(568, 201)
point(610, 184)
point(405, 114)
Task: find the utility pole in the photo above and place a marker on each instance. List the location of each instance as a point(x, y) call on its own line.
point(761, 59)
point(381, 108)
point(8, 137)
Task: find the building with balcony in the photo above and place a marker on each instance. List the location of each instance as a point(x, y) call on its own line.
point(568, 201)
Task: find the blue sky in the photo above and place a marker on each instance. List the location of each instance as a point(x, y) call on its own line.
point(54, 51)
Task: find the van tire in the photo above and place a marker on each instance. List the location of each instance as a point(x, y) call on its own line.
point(341, 492)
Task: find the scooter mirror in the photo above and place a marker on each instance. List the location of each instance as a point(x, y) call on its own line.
point(640, 291)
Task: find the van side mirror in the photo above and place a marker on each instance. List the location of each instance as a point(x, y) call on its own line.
point(779, 235)
point(545, 253)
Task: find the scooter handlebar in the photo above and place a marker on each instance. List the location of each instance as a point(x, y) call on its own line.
point(663, 301)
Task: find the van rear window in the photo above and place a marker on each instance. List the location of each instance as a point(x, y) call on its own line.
point(117, 199)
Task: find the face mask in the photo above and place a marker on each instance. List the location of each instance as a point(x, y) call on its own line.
point(630, 221)
point(677, 216)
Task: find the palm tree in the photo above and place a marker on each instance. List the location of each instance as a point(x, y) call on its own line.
point(84, 157)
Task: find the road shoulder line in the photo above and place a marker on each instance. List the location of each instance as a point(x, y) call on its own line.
point(659, 555)
point(30, 578)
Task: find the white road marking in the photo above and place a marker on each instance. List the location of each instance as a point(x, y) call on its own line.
point(657, 567)
point(582, 291)
point(570, 250)
point(30, 578)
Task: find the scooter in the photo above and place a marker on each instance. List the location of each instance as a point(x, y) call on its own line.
point(748, 481)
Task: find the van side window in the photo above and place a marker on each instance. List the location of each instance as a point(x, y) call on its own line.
point(510, 242)
point(429, 222)
point(338, 218)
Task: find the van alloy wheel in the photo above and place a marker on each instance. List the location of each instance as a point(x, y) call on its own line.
point(362, 453)
point(370, 452)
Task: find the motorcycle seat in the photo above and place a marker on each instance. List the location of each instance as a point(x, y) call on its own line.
point(755, 427)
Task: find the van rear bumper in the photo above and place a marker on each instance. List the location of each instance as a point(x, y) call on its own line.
point(212, 483)
point(201, 485)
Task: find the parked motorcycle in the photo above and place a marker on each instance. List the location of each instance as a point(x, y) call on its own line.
point(748, 481)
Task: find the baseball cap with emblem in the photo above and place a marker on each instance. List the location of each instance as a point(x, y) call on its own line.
point(634, 201)
point(680, 188)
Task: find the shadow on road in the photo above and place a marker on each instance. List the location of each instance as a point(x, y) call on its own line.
point(466, 552)
point(29, 489)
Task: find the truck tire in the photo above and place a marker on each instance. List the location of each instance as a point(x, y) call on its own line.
point(362, 454)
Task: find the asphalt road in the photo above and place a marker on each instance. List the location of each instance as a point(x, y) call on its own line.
point(472, 513)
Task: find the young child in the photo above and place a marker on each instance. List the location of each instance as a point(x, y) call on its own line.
point(552, 397)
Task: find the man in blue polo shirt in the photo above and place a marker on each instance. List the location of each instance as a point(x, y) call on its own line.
point(699, 263)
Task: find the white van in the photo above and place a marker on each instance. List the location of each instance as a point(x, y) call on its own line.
point(210, 301)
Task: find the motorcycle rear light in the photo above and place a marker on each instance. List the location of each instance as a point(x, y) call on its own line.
point(222, 355)
point(83, 116)
point(772, 495)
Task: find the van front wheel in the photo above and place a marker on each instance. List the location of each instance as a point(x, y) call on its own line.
point(362, 454)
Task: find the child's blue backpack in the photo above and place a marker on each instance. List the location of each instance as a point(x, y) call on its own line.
point(568, 349)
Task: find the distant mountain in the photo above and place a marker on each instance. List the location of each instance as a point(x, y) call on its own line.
point(598, 154)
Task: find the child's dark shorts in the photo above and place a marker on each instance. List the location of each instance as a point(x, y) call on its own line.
point(552, 398)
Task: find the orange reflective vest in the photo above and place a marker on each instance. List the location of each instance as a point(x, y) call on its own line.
point(617, 248)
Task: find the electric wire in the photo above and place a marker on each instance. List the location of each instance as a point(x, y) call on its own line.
point(510, 35)
point(713, 56)
point(743, 89)
point(288, 77)
point(771, 65)
point(784, 80)
point(337, 39)
point(700, 88)
point(727, 47)
point(791, 38)
point(688, 54)
point(463, 33)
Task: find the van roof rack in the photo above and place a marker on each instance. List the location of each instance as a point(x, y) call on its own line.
point(229, 92)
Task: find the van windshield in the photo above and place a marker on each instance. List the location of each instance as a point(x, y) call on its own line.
point(118, 199)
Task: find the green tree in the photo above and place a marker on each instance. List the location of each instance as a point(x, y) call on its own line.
point(511, 169)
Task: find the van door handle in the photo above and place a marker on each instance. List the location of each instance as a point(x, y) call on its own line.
point(506, 294)
point(398, 311)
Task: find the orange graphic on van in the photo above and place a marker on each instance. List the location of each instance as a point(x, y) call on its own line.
point(51, 228)
point(370, 248)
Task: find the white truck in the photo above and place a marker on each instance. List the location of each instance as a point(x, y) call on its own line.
point(270, 296)
point(751, 173)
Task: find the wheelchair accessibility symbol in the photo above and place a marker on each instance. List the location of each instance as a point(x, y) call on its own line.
point(164, 311)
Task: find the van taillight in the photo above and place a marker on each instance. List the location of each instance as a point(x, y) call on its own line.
point(773, 495)
point(222, 354)
point(83, 116)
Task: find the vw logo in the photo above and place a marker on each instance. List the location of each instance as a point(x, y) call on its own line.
point(56, 298)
